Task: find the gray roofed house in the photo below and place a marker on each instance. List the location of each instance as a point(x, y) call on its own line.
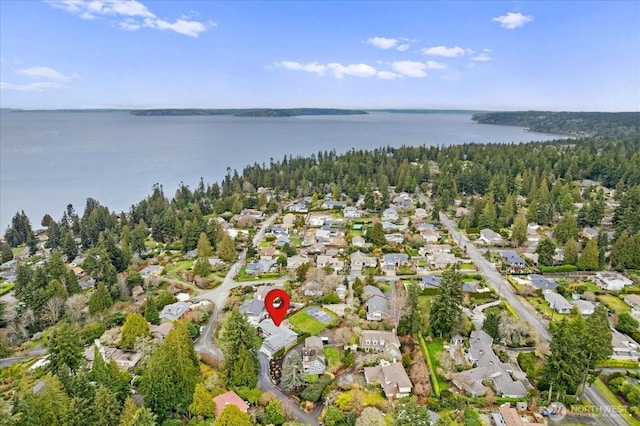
point(370, 290)
point(377, 341)
point(358, 241)
point(430, 281)
point(263, 290)
point(557, 302)
point(584, 306)
point(589, 232)
point(392, 377)
point(391, 261)
point(253, 309)
point(341, 291)
point(440, 260)
point(296, 260)
point(376, 307)
point(276, 338)
point(488, 368)
point(359, 261)
point(174, 311)
point(633, 300)
point(390, 214)
point(313, 360)
point(542, 283)
point(258, 267)
point(513, 260)
point(395, 238)
point(490, 237)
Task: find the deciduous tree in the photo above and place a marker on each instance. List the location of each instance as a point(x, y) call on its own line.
point(203, 404)
point(135, 326)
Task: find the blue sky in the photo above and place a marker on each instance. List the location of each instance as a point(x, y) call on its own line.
point(558, 55)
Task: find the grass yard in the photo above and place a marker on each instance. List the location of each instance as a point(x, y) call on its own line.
point(467, 267)
point(613, 400)
point(612, 302)
point(332, 355)
point(311, 378)
point(436, 346)
point(302, 322)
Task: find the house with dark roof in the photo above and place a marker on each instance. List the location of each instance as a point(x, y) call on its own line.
point(392, 378)
point(275, 338)
point(541, 283)
point(313, 361)
point(253, 309)
point(174, 311)
point(430, 281)
point(514, 262)
point(557, 302)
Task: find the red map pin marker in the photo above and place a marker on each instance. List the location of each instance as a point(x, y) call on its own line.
point(277, 308)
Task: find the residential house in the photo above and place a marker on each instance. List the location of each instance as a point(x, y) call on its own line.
point(490, 237)
point(324, 260)
point(392, 377)
point(430, 281)
point(633, 300)
point(215, 262)
point(360, 261)
point(390, 214)
point(382, 342)
point(323, 236)
point(508, 416)
point(151, 271)
point(313, 361)
point(439, 260)
point(589, 233)
point(299, 207)
point(263, 290)
point(557, 302)
point(352, 212)
point(160, 331)
point(541, 283)
point(392, 261)
point(462, 212)
point(584, 306)
point(312, 289)
point(229, 398)
point(420, 214)
point(258, 267)
point(624, 347)
point(370, 290)
point(275, 338)
point(388, 226)
point(341, 291)
point(358, 241)
point(289, 219)
point(294, 261)
point(612, 281)
point(174, 311)
point(86, 285)
point(376, 307)
point(514, 262)
point(125, 360)
point(431, 236)
point(488, 369)
point(394, 238)
point(267, 253)
point(333, 204)
point(253, 310)
point(434, 248)
point(279, 230)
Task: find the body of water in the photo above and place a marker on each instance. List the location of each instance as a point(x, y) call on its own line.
point(51, 159)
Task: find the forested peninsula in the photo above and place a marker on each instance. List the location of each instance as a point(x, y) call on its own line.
point(578, 124)
point(252, 112)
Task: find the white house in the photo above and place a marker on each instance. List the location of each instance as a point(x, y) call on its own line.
point(313, 361)
point(490, 237)
point(390, 214)
point(612, 281)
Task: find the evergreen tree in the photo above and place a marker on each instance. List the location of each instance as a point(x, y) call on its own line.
point(106, 409)
point(100, 300)
point(488, 218)
point(240, 352)
point(571, 252)
point(170, 377)
point(627, 324)
point(567, 364)
point(49, 407)
point(6, 254)
point(134, 326)
point(128, 412)
point(275, 413)
point(144, 417)
point(603, 242)
point(203, 404)
point(292, 372)
point(566, 228)
point(228, 251)
point(491, 325)
point(588, 260)
point(447, 304)
point(151, 311)
point(546, 249)
point(376, 235)
point(232, 416)
point(597, 339)
point(65, 349)
point(519, 231)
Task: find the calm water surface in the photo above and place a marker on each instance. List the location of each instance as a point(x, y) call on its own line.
point(51, 159)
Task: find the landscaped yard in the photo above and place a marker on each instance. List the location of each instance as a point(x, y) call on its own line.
point(612, 302)
point(332, 355)
point(436, 346)
point(303, 322)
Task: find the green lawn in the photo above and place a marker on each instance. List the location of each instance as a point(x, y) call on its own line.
point(302, 322)
point(332, 355)
point(436, 346)
point(612, 302)
point(613, 400)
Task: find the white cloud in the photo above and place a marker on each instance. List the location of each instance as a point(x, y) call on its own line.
point(354, 70)
point(447, 52)
point(383, 42)
point(388, 75)
point(513, 20)
point(132, 14)
point(402, 47)
point(433, 65)
point(482, 57)
point(40, 86)
point(410, 68)
point(42, 73)
point(312, 67)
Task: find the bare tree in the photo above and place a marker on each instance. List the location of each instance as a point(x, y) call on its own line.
point(52, 309)
point(74, 305)
point(370, 416)
point(514, 332)
point(343, 336)
point(398, 305)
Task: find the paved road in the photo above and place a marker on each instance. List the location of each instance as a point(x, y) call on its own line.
point(504, 289)
point(6, 362)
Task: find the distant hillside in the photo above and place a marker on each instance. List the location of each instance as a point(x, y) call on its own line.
point(253, 112)
point(590, 124)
